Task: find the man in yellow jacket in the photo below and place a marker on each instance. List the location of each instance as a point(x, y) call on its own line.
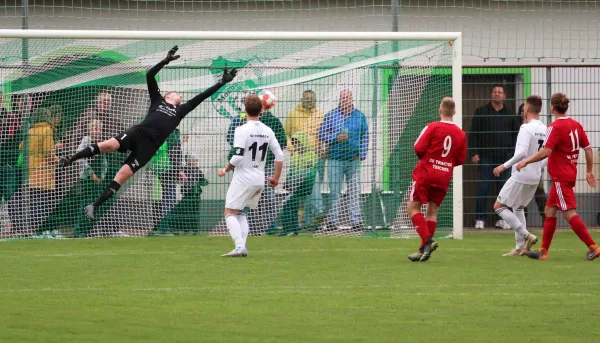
point(306, 118)
point(42, 166)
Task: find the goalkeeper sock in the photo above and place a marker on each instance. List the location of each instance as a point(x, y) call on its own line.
point(420, 225)
point(581, 231)
point(549, 228)
point(431, 226)
point(89, 151)
point(235, 231)
point(109, 191)
point(241, 218)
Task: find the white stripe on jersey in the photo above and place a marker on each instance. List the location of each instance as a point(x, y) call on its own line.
point(420, 135)
point(548, 130)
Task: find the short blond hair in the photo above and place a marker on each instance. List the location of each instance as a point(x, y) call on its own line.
point(448, 106)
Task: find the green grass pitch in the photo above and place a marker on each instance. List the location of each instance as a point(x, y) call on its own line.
point(295, 289)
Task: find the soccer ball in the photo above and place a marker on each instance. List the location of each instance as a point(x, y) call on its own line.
point(267, 98)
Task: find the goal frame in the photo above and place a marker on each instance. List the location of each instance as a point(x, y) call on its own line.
point(454, 38)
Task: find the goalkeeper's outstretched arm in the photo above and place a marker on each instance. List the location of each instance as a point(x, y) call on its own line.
point(153, 89)
point(197, 100)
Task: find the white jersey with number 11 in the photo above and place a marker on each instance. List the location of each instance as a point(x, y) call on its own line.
point(252, 141)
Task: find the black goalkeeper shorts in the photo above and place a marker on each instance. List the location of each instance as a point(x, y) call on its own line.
point(140, 146)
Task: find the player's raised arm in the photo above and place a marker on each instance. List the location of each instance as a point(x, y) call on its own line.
point(189, 106)
point(153, 89)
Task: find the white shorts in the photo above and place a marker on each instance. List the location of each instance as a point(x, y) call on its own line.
point(515, 194)
point(240, 196)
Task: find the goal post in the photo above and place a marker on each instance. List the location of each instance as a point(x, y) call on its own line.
point(65, 85)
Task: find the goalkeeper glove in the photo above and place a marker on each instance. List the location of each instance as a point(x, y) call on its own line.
point(171, 54)
point(228, 76)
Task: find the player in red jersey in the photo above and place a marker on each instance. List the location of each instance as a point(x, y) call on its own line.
point(441, 146)
point(564, 138)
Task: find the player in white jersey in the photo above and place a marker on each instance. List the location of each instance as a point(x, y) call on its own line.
point(250, 143)
point(520, 189)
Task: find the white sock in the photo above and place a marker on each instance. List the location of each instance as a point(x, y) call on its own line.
point(520, 214)
point(520, 241)
point(244, 226)
point(512, 220)
point(235, 231)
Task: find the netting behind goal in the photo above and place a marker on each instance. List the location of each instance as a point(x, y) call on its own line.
point(68, 93)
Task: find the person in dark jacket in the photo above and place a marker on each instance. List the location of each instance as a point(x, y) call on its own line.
point(492, 138)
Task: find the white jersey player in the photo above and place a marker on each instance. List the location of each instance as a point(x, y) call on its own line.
point(520, 188)
point(251, 144)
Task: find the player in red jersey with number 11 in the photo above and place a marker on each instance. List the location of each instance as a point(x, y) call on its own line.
point(441, 146)
point(564, 138)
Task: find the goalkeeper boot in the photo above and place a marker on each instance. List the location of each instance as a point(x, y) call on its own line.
point(64, 162)
point(540, 254)
point(416, 256)
point(90, 211)
point(530, 240)
point(237, 252)
point(593, 253)
point(428, 249)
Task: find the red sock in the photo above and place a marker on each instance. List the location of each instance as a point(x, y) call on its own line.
point(581, 230)
point(549, 228)
point(431, 225)
point(420, 225)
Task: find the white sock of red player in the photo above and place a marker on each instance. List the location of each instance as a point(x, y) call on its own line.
point(244, 226)
point(235, 231)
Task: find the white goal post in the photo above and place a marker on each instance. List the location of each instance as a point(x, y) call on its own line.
point(112, 38)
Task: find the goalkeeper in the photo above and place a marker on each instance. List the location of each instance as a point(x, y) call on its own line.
point(143, 140)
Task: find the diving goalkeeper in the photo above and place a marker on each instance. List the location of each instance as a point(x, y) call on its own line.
point(143, 140)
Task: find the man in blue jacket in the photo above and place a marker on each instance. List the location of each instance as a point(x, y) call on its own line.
point(346, 132)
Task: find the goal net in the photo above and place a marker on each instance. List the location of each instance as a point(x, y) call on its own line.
point(347, 112)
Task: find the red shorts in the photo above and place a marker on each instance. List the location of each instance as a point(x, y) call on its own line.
point(423, 193)
point(562, 196)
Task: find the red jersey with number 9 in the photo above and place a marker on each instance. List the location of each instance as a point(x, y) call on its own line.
point(441, 146)
point(565, 136)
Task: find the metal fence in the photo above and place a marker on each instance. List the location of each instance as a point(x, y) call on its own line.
point(580, 83)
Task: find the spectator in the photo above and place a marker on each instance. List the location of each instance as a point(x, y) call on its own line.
point(10, 137)
point(262, 219)
point(540, 194)
point(299, 181)
point(306, 118)
point(92, 173)
point(100, 111)
point(346, 132)
point(42, 165)
point(493, 137)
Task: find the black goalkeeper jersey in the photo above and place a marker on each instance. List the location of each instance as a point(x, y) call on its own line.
point(163, 118)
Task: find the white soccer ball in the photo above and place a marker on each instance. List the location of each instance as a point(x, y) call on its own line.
point(267, 98)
